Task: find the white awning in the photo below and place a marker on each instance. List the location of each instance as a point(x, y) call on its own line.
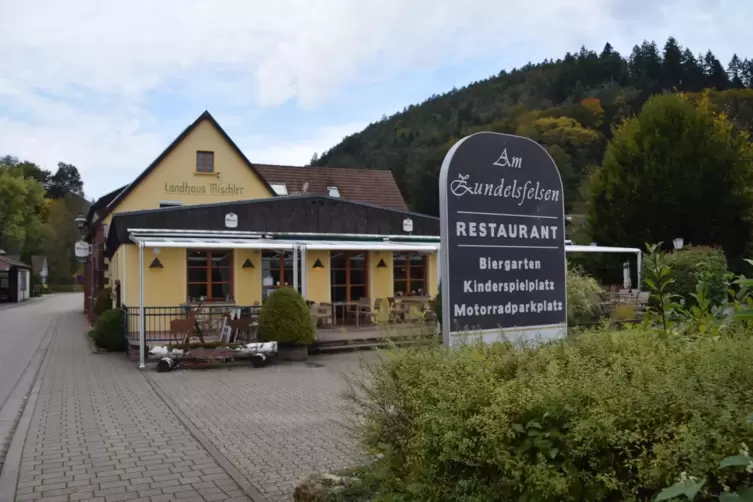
point(600, 249)
point(372, 246)
point(238, 243)
point(207, 243)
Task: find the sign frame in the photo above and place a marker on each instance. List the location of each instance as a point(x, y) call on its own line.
point(516, 334)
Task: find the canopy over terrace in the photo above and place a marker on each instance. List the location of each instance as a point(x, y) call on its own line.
point(150, 238)
point(572, 248)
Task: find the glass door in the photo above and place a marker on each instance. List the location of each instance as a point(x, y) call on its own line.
point(348, 277)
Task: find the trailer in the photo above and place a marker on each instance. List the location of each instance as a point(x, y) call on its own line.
point(195, 355)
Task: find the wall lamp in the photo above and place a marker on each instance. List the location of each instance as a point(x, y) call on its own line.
point(381, 264)
point(248, 263)
point(156, 264)
point(318, 264)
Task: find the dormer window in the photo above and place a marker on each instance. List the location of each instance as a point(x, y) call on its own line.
point(204, 162)
point(333, 192)
point(279, 188)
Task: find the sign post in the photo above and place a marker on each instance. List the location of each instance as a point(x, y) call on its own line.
point(503, 241)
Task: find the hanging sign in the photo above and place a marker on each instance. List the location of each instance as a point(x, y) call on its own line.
point(503, 241)
point(231, 220)
point(81, 250)
point(407, 225)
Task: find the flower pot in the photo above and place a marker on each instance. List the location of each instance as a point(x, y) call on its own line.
point(295, 353)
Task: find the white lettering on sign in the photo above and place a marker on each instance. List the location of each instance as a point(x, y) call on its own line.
point(509, 308)
point(521, 192)
point(503, 161)
point(505, 230)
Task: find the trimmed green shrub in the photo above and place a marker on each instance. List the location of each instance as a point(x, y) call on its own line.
point(285, 318)
point(690, 265)
point(108, 332)
point(602, 416)
point(103, 302)
point(583, 298)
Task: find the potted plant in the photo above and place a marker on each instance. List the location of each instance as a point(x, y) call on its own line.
point(286, 319)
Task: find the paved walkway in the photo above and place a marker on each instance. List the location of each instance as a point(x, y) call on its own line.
point(277, 425)
point(100, 432)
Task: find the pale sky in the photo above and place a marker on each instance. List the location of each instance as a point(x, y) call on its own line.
point(106, 86)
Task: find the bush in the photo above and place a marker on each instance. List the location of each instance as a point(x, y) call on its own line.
point(602, 416)
point(689, 265)
point(108, 332)
point(103, 302)
point(583, 298)
point(285, 318)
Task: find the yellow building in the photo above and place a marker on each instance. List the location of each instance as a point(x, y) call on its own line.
point(203, 222)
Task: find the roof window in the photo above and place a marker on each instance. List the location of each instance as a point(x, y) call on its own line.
point(333, 192)
point(279, 188)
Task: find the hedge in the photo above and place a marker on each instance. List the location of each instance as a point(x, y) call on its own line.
point(602, 416)
point(286, 318)
point(690, 264)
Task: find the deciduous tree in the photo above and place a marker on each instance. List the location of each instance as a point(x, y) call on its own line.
point(678, 169)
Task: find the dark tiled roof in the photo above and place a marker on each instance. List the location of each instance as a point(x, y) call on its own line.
point(11, 261)
point(359, 185)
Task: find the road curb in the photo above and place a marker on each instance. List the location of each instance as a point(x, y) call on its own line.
point(249, 489)
point(14, 455)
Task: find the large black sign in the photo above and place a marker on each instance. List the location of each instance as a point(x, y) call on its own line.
point(503, 240)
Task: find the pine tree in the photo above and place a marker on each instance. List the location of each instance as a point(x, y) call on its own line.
point(645, 67)
point(746, 72)
point(733, 72)
point(692, 72)
point(672, 67)
point(716, 76)
point(613, 66)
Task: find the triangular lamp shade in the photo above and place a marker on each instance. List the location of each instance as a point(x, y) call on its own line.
point(381, 264)
point(318, 264)
point(156, 264)
point(248, 264)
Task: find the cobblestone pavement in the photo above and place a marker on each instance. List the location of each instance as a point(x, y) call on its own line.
point(276, 424)
point(100, 432)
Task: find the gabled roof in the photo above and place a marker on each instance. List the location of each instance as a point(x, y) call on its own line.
point(103, 201)
point(371, 186)
point(7, 261)
point(204, 116)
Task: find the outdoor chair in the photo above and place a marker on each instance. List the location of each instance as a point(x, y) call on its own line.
point(363, 308)
point(320, 314)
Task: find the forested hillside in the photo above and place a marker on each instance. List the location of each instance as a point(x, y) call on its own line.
point(569, 105)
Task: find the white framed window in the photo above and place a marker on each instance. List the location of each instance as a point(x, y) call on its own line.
point(279, 188)
point(170, 203)
point(333, 192)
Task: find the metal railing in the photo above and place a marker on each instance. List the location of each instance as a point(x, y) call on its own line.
point(157, 321)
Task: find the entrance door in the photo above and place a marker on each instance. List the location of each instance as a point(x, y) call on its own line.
point(349, 276)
